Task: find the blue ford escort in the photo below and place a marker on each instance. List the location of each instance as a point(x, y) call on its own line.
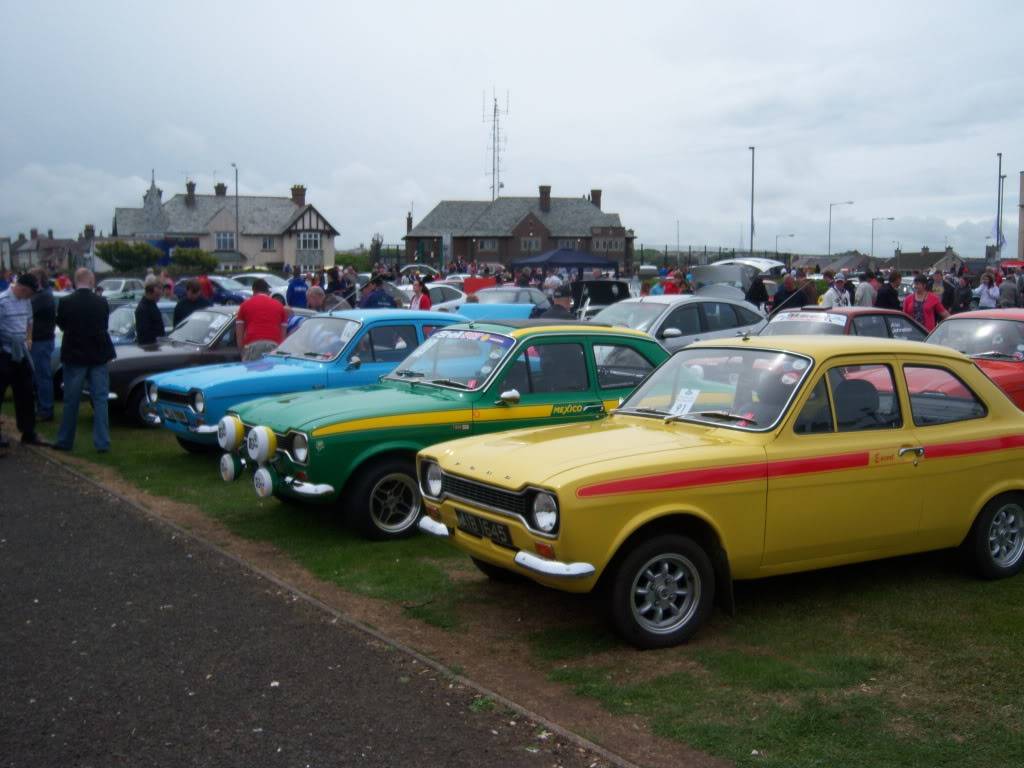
point(338, 349)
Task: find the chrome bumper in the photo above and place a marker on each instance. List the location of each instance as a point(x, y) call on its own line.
point(204, 429)
point(431, 526)
point(308, 489)
point(553, 567)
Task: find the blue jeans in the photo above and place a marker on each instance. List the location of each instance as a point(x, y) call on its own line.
point(75, 377)
point(41, 355)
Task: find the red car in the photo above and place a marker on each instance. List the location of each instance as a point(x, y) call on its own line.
point(839, 321)
point(994, 339)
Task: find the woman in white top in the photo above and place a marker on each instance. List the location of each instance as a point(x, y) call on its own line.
point(420, 295)
point(988, 298)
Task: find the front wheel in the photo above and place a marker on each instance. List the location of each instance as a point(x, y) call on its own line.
point(386, 502)
point(139, 409)
point(662, 592)
point(995, 544)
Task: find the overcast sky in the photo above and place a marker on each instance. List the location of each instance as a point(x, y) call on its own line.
point(900, 107)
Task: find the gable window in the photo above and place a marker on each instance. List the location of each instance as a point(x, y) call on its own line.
point(529, 244)
point(269, 244)
point(309, 241)
point(569, 243)
point(225, 241)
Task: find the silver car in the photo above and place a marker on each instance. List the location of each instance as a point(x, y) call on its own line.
point(676, 320)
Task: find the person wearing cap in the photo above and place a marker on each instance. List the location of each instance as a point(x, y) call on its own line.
point(923, 305)
point(836, 295)
point(377, 297)
point(561, 305)
point(15, 356)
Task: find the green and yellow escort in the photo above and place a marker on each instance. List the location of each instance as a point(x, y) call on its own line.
point(357, 446)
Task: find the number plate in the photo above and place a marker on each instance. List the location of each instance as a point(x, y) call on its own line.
point(484, 529)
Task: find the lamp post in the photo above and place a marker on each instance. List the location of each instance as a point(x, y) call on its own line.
point(877, 218)
point(830, 207)
point(752, 151)
point(238, 244)
point(791, 234)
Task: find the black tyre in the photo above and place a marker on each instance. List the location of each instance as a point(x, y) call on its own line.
point(662, 591)
point(139, 411)
point(199, 448)
point(496, 573)
point(385, 501)
point(995, 545)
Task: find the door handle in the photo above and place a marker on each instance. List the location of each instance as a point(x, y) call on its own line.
point(593, 407)
point(919, 450)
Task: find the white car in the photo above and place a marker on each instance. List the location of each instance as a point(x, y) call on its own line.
point(278, 285)
point(444, 298)
point(122, 288)
point(679, 319)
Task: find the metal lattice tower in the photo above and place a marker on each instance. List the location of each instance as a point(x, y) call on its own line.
point(498, 141)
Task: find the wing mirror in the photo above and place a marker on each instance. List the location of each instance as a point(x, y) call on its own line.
point(508, 397)
point(671, 333)
point(353, 363)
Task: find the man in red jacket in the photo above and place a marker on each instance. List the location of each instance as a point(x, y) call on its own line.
point(261, 322)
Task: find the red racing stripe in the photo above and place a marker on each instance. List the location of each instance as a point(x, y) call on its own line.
point(817, 464)
point(946, 450)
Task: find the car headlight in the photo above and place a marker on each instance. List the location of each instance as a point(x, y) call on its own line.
point(229, 433)
point(433, 479)
point(300, 447)
point(545, 512)
point(199, 402)
point(151, 392)
point(261, 444)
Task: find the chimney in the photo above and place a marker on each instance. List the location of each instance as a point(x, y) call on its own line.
point(33, 233)
point(595, 197)
point(299, 195)
point(49, 234)
point(220, 189)
point(545, 197)
point(190, 193)
point(408, 222)
point(90, 232)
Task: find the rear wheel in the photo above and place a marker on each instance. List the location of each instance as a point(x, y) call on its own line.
point(995, 544)
point(139, 409)
point(386, 502)
point(194, 447)
point(662, 591)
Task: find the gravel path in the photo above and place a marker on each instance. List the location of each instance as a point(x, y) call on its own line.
point(125, 643)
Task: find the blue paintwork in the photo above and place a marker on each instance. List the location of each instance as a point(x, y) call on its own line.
point(229, 384)
point(496, 311)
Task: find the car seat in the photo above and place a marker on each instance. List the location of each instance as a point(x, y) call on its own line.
point(857, 406)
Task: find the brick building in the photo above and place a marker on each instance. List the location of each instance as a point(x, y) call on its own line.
point(510, 228)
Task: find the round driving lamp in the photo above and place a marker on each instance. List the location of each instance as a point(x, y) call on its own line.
point(199, 402)
point(230, 467)
point(229, 433)
point(545, 512)
point(300, 448)
point(151, 392)
point(264, 481)
point(261, 444)
point(434, 479)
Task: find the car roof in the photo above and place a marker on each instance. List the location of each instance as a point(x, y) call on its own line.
point(674, 298)
point(520, 328)
point(1010, 313)
point(825, 347)
point(375, 315)
point(839, 310)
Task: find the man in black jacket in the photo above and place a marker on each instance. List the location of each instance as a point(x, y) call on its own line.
point(192, 301)
point(149, 323)
point(84, 354)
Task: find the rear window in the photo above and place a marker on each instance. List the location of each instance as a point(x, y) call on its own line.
point(805, 324)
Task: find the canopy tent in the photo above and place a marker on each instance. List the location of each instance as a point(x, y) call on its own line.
point(565, 257)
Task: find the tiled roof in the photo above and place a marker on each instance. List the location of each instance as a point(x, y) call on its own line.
point(256, 215)
point(567, 217)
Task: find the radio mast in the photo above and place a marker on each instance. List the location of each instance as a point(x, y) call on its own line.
point(498, 141)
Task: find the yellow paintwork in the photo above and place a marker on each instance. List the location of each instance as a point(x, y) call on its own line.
point(794, 516)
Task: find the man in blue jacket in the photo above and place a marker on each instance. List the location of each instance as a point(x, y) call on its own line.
point(377, 297)
point(296, 294)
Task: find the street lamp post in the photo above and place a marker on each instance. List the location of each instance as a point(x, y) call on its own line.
point(791, 234)
point(877, 218)
point(752, 151)
point(830, 207)
point(238, 244)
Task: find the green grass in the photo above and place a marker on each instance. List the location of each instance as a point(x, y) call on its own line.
point(908, 662)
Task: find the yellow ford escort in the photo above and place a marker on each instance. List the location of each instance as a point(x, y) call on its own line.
point(737, 460)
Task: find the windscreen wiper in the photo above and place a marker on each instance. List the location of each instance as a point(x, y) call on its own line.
point(449, 383)
point(409, 373)
point(723, 415)
point(641, 409)
point(993, 354)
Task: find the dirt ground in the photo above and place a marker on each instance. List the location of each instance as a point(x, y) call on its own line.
point(484, 651)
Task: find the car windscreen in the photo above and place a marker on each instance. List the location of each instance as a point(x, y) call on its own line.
point(121, 321)
point(637, 315)
point(112, 286)
point(979, 337)
point(228, 284)
point(456, 358)
point(746, 389)
point(499, 296)
point(805, 324)
point(601, 292)
point(201, 327)
point(319, 338)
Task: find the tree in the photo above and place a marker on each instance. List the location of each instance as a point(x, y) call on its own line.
point(125, 257)
point(194, 260)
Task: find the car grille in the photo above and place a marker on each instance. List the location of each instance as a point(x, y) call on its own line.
point(180, 398)
point(485, 495)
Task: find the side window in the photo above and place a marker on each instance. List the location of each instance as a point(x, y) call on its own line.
point(428, 330)
point(548, 368)
point(227, 338)
point(938, 396)
point(685, 319)
point(719, 317)
point(865, 398)
point(870, 325)
point(746, 317)
point(816, 416)
point(619, 366)
point(902, 328)
point(391, 344)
